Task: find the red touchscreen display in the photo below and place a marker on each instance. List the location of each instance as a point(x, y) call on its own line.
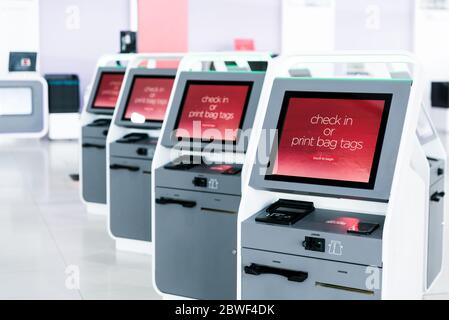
point(331, 139)
point(213, 111)
point(108, 90)
point(149, 98)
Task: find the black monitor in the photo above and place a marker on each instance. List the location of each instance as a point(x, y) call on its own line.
point(146, 95)
point(440, 94)
point(128, 42)
point(22, 61)
point(106, 90)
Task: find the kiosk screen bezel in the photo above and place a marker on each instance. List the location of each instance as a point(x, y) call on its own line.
point(380, 187)
point(133, 74)
point(256, 79)
point(386, 98)
point(96, 86)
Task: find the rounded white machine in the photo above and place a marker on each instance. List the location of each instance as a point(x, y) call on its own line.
point(96, 117)
point(132, 138)
point(23, 105)
point(346, 194)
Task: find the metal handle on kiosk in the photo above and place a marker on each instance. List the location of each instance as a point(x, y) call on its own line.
point(100, 123)
point(295, 276)
point(184, 203)
point(123, 167)
point(91, 145)
point(437, 196)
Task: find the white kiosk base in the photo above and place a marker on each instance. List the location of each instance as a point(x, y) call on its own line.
point(175, 298)
point(439, 288)
point(97, 209)
point(440, 118)
point(134, 246)
point(64, 126)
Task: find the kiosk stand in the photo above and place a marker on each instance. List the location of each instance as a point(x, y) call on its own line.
point(197, 172)
point(345, 199)
point(131, 143)
point(95, 120)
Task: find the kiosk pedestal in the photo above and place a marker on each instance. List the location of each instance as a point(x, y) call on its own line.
point(95, 122)
point(94, 160)
point(130, 187)
point(131, 145)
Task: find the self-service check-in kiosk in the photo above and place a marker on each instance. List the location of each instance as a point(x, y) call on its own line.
point(95, 122)
point(131, 141)
point(345, 199)
point(198, 171)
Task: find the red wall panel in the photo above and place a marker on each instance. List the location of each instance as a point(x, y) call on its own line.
point(163, 25)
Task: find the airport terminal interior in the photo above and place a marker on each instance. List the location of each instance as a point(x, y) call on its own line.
point(224, 150)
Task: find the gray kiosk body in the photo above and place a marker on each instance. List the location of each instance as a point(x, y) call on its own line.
point(427, 135)
point(94, 161)
point(93, 135)
point(197, 203)
point(131, 156)
point(130, 188)
point(292, 250)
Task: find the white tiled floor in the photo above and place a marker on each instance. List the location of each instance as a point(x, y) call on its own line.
point(44, 229)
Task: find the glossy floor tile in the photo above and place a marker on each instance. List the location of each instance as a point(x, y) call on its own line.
point(50, 248)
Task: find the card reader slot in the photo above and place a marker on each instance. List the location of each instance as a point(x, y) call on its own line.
point(100, 123)
point(290, 206)
point(218, 210)
point(338, 287)
point(184, 163)
point(286, 212)
point(136, 135)
point(437, 196)
point(133, 138)
point(168, 201)
point(124, 167)
point(180, 167)
point(92, 145)
point(295, 276)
